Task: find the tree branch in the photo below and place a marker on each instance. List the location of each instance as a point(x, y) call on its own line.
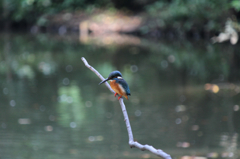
point(131, 142)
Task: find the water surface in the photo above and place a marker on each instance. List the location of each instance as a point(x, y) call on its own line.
point(185, 98)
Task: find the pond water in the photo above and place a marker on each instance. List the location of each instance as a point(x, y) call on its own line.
point(184, 97)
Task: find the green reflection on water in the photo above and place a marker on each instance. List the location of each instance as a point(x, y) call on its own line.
point(43, 80)
point(70, 106)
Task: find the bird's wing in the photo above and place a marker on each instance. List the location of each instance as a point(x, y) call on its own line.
point(124, 84)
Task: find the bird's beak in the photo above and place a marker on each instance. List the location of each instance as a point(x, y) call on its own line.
point(104, 81)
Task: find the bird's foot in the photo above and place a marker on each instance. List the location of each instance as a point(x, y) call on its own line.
point(119, 97)
point(115, 94)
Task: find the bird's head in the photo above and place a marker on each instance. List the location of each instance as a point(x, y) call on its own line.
point(114, 74)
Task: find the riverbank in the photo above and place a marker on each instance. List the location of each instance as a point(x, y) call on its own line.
point(102, 22)
point(143, 24)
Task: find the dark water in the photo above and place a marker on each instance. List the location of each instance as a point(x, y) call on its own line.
point(185, 98)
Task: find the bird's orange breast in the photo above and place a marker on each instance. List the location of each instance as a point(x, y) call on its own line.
point(118, 88)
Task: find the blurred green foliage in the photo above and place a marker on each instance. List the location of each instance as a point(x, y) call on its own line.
point(35, 10)
point(170, 12)
point(236, 5)
point(184, 14)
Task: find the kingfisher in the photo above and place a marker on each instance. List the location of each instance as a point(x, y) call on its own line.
point(118, 84)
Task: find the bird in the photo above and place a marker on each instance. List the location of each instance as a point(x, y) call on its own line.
point(118, 84)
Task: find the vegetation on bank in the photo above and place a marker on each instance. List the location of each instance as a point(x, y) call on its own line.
point(178, 14)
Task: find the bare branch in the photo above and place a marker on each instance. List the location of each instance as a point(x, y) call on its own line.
point(131, 142)
point(97, 73)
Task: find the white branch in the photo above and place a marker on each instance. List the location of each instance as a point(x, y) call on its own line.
point(131, 142)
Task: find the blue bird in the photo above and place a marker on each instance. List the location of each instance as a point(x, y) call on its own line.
point(118, 84)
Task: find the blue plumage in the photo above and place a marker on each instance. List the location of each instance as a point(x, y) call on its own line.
point(115, 74)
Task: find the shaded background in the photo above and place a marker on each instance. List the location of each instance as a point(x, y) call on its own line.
point(185, 89)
